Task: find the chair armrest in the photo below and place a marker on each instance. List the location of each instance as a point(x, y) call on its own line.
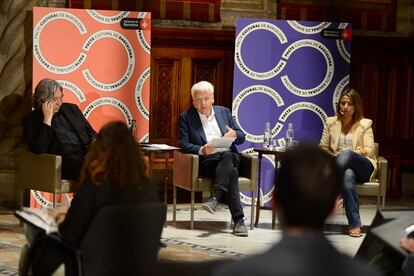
point(382, 175)
point(249, 165)
point(39, 171)
point(185, 170)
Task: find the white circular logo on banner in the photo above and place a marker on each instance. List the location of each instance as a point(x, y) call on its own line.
point(108, 101)
point(138, 93)
point(107, 19)
point(308, 29)
point(303, 106)
point(329, 68)
point(130, 54)
point(268, 195)
point(238, 55)
point(58, 15)
point(341, 45)
point(249, 91)
point(338, 90)
point(74, 89)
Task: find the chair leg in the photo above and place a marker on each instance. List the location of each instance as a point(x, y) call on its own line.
point(378, 202)
point(54, 199)
point(252, 211)
point(383, 202)
point(192, 210)
point(174, 204)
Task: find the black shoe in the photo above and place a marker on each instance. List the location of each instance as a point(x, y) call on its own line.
point(211, 205)
point(240, 229)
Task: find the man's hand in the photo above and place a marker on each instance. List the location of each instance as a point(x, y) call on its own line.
point(207, 149)
point(47, 108)
point(230, 133)
point(408, 244)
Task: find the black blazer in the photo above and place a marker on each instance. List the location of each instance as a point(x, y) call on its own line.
point(192, 136)
point(42, 138)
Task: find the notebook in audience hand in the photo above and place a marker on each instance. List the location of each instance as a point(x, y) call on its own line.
point(38, 218)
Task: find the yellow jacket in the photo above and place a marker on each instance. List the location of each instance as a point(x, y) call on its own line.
point(362, 138)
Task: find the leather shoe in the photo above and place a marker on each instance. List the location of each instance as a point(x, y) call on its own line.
point(240, 229)
point(355, 232)
point(211, 205)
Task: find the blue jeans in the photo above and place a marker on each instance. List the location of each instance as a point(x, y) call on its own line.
point(356, 168)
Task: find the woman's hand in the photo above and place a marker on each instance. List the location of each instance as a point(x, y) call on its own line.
point(58, 213)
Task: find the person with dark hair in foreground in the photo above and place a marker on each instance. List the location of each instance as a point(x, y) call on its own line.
point(58, 128)
point(307, 186)
point(114, 173)
point(408, 244)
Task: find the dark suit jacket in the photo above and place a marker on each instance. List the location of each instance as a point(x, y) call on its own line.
point(42, 138)
point(310, 254)
point(192, 136)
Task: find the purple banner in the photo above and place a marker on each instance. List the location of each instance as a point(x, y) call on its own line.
point(287, 72)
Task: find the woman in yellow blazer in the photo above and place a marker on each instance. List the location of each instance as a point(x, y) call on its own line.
point(349, 137)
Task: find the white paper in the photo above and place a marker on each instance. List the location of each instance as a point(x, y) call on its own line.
point(158, 146)
point(222, 142)
point(40, 218)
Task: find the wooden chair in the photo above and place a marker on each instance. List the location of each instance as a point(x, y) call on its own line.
point(42, 172)
point(378, 186)
point(185, 176)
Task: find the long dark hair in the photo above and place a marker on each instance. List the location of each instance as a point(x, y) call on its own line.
point(354, 97)
point(114, 158)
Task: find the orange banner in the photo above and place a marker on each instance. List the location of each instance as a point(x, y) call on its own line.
point(102, 60)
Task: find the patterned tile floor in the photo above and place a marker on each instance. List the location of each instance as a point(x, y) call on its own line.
point(211, 238)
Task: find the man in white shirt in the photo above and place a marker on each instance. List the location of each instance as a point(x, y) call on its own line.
point(198, 126)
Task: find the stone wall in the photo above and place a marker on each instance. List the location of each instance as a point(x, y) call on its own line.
point(15, 86)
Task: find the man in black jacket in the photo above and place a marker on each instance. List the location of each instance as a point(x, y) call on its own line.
point(58, 128)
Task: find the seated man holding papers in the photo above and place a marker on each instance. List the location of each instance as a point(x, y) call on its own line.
point(211, 132)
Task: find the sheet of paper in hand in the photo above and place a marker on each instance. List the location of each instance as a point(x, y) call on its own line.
point(222, 142)
point(38, 218)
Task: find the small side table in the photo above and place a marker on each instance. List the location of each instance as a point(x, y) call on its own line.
point(161, 151)
point(278, 155)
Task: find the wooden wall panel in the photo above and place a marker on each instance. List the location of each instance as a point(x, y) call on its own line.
point(382, 71)
point(164, 98)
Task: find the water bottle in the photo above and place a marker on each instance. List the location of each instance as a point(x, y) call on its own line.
point(133, 129)
point(267, 136)
point(290, 136)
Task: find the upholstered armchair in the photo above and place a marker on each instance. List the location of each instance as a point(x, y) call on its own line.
point(185, 176)
point(42, 172)
point(378, 186)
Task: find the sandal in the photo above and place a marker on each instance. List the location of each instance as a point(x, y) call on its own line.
point(355, 232)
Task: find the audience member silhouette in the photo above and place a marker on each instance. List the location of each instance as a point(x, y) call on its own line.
point(307, 186)
point(113, 173)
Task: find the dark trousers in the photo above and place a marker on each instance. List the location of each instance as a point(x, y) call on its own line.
point(223, 168)
point(71, 165)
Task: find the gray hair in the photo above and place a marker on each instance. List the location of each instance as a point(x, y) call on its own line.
point(202, 86)
point(44, 91)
